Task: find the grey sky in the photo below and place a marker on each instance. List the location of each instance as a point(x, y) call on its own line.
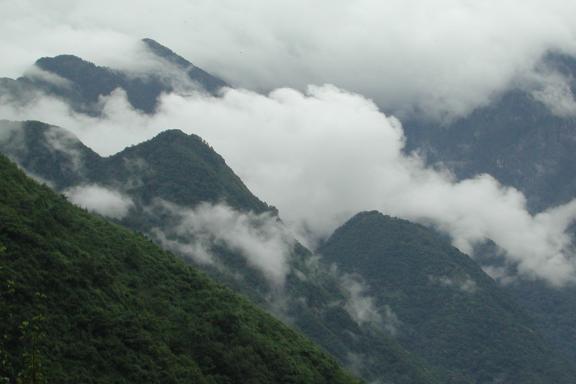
point(443, 56)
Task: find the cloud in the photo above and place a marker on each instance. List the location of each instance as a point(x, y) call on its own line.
point(501, 274)
point(263, 241)
point(66, 144)
point(443, 57)
point(326, 154)
point(104, 201)
point(553, 90)
point(363, 308)
point(38, 74)
point(12, 138)
point(463, 283)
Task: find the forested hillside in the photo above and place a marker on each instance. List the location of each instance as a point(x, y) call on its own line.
point(86, 301)
point(448, 310)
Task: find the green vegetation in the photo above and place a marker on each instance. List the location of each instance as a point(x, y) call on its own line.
point(449, 311)
point(179, 168)
point(184, 170)
point(86, 301)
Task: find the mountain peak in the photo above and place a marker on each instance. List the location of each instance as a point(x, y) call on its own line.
point(441, 297)
point(167, 54)
point(186, 170)
point(208, 81)
point(64, 64)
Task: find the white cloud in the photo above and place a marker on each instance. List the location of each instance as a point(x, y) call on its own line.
point(443, 57)
point(553, 90)
point(263, 241)
point(66, 144)
point(463, 283)
point(96, 198)
point(363, 308)
point(36, 73)
point(324, 155)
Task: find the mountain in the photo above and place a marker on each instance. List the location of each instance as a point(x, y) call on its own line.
point(81, 83)
point(84, 300)
point(553, 310)
point(448, 310)
point(527, 144)
point(168, 181)
point(53, 153)
point(209, 82)
point(173, 166)
point(516, 138)
point(180, 168)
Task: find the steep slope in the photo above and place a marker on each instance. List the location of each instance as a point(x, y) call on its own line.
point(553, 310)
point(48, 152)
point(81, 83)
point(172, 166)
point(184, 172)
point(516, 138)
point(83, 300)
point(521, 142)
point(448, 310)
point(209, 82)
point(179, 168)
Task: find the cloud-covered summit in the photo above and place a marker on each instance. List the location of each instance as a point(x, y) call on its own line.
point(443, 57)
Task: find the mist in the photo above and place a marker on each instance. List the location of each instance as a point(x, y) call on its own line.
point(323, 155)
point(441, 58)
point(261, 239)
point(99, 199)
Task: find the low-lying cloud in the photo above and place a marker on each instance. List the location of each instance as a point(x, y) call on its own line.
point(261, 239)
point(102, 200)
point(326, 154)
point(462, 283)
point(554, 91)
point(362, 307)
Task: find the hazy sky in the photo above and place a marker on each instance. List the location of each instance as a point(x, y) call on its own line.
point(442, 56)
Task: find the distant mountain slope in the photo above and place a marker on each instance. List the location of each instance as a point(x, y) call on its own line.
point(85, 301)
point(81, 83)
point(448, 310)
point(553, 310)
point(516, 138)
point(521, 142)
point(185, 172)
point(209, 82)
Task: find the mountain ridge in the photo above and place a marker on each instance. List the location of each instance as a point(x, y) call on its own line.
point(448, 309)
point(84, 300)
point(311, 297)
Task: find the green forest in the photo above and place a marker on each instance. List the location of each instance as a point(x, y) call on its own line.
point(86, 301)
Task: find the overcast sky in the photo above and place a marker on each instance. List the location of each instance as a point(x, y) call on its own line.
point(442, 56)
point(321, 153)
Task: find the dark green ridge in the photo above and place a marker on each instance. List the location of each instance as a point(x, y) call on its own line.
point(86, 301)
point(182, 169)
point(173, 166)
point(450, 312)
